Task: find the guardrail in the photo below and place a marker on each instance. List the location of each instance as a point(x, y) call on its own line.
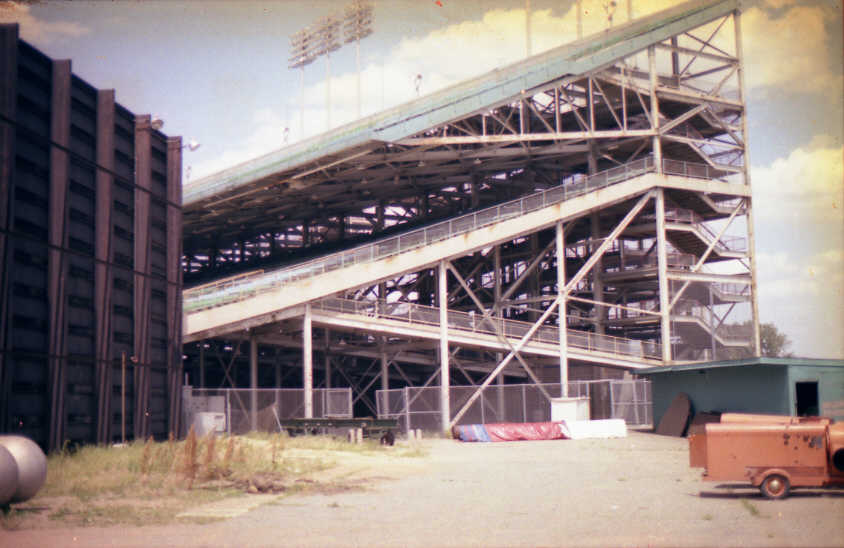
point(468, 321)
point(212, 295)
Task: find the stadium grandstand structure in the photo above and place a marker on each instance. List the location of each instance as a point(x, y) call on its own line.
point(579, 214)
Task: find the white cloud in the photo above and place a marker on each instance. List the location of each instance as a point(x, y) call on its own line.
point(35, 30)
point(267, 136)
point(804, 299)
point(791, 50)
point(806, 188)
point(797, 203)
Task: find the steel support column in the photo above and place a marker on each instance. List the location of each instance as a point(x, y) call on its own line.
point(662, 266)
point(597, 274)
point(253, 382)
point(385, 367)
point(561, 294)
point(442, 293)
point(307, 362)
point(657, 146)
point(751, 237)
point(202, 364)
point(327, 359)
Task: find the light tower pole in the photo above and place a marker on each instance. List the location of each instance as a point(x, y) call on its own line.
point(357, 25)
point(303, 51)
point(329, 40)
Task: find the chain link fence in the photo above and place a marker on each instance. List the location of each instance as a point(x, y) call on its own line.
point(270, 406)
point(416, 407)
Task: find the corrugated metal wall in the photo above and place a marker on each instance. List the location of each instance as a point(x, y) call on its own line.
point(89, 194)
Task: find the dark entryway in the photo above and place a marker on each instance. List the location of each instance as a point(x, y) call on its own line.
point(806, 398)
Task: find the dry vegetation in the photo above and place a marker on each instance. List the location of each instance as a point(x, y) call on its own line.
point(149, 482)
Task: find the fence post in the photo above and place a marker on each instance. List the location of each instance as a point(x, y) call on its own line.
point(612, 400)
point(228, 415)
point(524, 405)
point(406, 408)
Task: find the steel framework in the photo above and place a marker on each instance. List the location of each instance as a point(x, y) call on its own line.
point(478, 234)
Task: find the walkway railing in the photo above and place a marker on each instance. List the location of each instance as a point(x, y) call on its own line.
point(231, 290)
point(513, 329)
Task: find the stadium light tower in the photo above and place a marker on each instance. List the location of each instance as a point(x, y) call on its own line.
point(356, 26)
point(328, 30)
point(303, 51)
point(324, 37)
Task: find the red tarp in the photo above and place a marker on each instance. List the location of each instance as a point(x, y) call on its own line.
point(511, 431)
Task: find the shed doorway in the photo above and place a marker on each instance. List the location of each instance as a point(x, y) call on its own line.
point(806, 399)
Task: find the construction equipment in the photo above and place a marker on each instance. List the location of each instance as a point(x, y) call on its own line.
point(773, 453)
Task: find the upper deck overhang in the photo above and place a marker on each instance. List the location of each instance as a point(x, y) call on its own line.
point(259, 193)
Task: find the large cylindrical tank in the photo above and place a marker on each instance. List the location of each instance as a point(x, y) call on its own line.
point(8, 476)
point(31, 463)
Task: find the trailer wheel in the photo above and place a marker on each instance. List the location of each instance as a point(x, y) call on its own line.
point(775, 486)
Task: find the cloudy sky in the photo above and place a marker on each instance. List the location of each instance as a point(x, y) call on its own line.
point(217, 72)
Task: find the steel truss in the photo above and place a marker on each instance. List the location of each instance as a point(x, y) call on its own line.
point(664, 267)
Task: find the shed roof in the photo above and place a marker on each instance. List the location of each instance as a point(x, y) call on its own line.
point(780, 362)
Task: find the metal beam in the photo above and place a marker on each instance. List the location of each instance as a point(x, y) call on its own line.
point(442, 292)
point(307, 362)
point(662, 266)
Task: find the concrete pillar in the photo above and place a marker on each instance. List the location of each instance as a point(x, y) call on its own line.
point(442, 302)
point(307, 363)
point(253, 382)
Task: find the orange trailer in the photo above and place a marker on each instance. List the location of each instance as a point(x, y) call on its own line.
point(770, 452)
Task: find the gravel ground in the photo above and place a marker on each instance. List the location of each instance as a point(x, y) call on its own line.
point(635, 491)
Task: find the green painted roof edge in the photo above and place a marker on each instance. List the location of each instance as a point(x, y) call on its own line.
point(466, 97)
point(780, 362)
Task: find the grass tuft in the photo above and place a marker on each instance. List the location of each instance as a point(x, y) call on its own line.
point(151, 482)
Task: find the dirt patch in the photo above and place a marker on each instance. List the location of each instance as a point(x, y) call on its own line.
point(637, 490)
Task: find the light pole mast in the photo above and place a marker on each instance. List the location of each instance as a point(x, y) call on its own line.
point(324, 37)
point(357, 25)
point(302, 52)
point(329, 40)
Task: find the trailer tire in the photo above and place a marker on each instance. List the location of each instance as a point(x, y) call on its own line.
point(775, 486)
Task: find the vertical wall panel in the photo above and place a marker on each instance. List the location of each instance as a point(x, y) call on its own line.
point(103, 273)
point(87, 272)
point(142, 295)
point(57, 263)
point(8, 102)
point(174, 279)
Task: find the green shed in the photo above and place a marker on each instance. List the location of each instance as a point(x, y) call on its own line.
point(781, 386)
